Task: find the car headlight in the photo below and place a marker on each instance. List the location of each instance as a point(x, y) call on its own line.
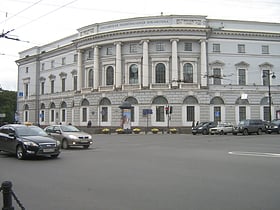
point(30, 143)
point(58, 143)
point(73, 137)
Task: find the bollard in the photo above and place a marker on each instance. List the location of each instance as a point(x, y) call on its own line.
point(7, 195)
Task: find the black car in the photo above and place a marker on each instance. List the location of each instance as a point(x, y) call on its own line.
point(250, 126)
point(24, 141)
point(203, 127)
point(273, 127)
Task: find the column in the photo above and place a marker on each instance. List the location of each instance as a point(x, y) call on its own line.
point(96, 67)
point(118, 81)
point(203, 62)
point(80, 70)
point(174, 67)
point(145, 67)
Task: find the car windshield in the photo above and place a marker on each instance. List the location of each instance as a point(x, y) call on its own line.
point(30, 131)
point(202, 123)
point(69, 129)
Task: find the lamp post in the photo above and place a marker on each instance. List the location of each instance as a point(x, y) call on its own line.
point(273, 76)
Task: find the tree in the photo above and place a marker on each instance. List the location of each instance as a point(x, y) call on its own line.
point(8, 105)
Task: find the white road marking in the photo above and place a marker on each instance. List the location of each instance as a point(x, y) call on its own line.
point(256, 154)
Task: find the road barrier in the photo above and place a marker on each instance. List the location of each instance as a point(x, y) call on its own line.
point(8, 194)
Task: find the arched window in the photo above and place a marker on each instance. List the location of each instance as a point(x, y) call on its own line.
point(160, 103)
point(63, 107)
point(188, 73)
point(84, 110)
point(132, 101)
point(160, 73)
point(133, 74)
point(90, 78)
point(191, 106)
point(217, 103)
point(110, 75)
point(104, 106)
point(52, 112)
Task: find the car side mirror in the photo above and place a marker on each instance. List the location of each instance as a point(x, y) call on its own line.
point(58, 131)
point(12, 135)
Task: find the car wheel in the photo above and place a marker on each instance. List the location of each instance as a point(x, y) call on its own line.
point(65, 144)
point(204, 132)
point(86, 146)
point(54, 156)
point(259, 132)
point(222, 132)
point(20, 153)
point(245, 132)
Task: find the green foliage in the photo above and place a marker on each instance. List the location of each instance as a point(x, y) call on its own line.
point(8, 105)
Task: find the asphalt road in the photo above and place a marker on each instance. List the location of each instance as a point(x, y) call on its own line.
point(152, 172)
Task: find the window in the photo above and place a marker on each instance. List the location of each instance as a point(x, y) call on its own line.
point(133, 74)
point(160, 46)
point(63, 115)
point(75, 58)
point(90, 78)
point(90, 54)
point(63, 61)
point(52, 86)
point(190, 114)
point(26, 90)
point(52, 115)
point(43, 66)
point(84, 114)
point(266, 77)
point(160, 73)
point(110, 76)
point(241, 48)
point(217, 114)
point(75, 82)
point(216, 48)
point(104, 114)
point(63, 84)
point(242, 113)
point(42, 88)
point(217, 77)
point(109, 51)
point(266, 113)
point(160, 114)
point(42, 115)
point(133, 48)
point(187, 46)
point(242, 76)
point(26, 69)
point(265, 49)
point(52, 64)
point(188, 73)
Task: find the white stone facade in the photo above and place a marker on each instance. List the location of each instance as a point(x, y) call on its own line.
point(218, 70)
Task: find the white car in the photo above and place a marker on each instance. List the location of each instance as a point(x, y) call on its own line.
point(222, 128)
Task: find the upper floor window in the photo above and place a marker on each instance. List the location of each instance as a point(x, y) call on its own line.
point(75, 82)
point(265, 49)
point(160, 73)
point(63, 80)
point(216, 48)
point(133, 74)
point(26, 69)
point(133, 48)
point(63, 61)
point(90, 55)
point(109, 51)
point(217, 76)
point(110, 75)
point(75, 58)
point(242, 76)
point(26, 90)
point(43, 66)
point(266, 77)
point(52, 86)
point(187, 46)
point(188, 73)
point(52, 64)
point(160, 46)
point(90, 78)
point(42, 88)
point(241, 48)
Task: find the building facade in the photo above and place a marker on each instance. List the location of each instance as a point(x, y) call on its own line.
point(201, 69)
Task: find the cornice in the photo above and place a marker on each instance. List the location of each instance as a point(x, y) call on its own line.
point(246, 33)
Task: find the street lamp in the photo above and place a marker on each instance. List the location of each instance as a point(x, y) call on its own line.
point(273, 76)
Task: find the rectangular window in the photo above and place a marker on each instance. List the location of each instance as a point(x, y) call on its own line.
point(133, 48)
point(217, 114)
point(160, 46)
point(42, 116)
point(241, 48)
point(75, 58)
point(265, 49)
point(26, 70)
point(63, 115)
point(42, 88)
point(242, 113)
point(216, 48)
point(26, 90)
point(90, 55)
point(187, 46)
point(217, 77)
point(63, 61)
point(26, 116)
point(63, 84)
point(52, 64)
point(190, 114)
point(52, 115)
point(266, 77)
point(84, 114)
point(266, 113)
point(43, 66)
point(242, 76)
point(75, 82)
point(52, 86)
point(160, 114)
point(104, 114)
point(109, 51)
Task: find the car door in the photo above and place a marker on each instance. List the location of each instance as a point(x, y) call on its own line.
point(11, 141)
point(56, 133)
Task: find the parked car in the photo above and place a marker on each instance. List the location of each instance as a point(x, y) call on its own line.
point(222, 128)
point(250, 126)
point(273, 127)
point(69, 136)
point(24, 141)
point(203, 127)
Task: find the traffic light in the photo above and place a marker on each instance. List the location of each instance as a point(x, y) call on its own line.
point(167, 110)
point(170, 110)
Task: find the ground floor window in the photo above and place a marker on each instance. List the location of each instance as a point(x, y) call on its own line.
point(160, 114)
point(190, 114)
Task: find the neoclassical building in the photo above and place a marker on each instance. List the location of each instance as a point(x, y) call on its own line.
point(205, 69)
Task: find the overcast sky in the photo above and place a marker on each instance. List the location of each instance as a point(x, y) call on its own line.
point(38, 22)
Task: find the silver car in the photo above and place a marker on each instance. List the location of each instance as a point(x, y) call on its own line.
point(222, 128)
point(69, 136)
